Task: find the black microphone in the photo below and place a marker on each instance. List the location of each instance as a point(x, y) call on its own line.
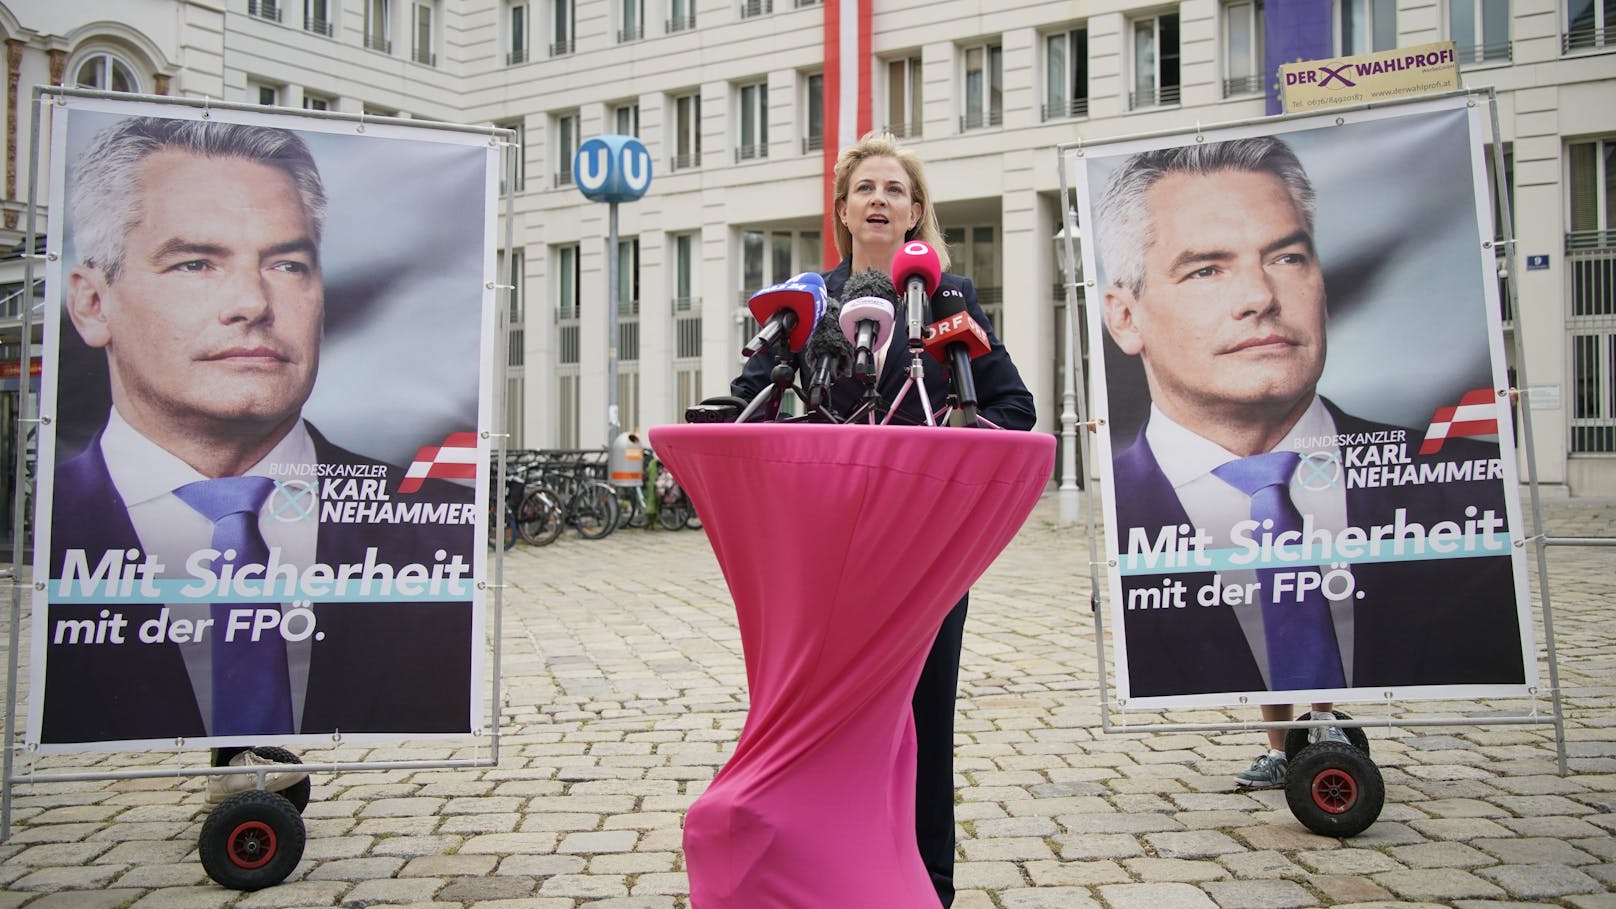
point(828, 353)
point(955, 340)
point(867, 318)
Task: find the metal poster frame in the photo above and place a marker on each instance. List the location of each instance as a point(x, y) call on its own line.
point(496, 434)
point(1118, 717)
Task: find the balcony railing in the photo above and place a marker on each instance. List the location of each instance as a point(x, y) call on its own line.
point(753, 8)
point(687, 332)
point(1587, 36)
point(632, 33)
point(981, 119)
point(318, 26)
point(1493, 52)
point(803, 4)
point(1167, 94)
point(1061, 110)
point(687, 162)
point(563, 177)
point(1242, 85)
point(904, 130)
point(813, 143)
point(378, 43)
point(519, 55)
point(751, 152)
point(681, 23)
point(563, 47)
point(264, 9)
point(424, 57)
point(1591, 256)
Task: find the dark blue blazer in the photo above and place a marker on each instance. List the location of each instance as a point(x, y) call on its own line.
point(1418, 623)
point(380, 667)
point(1002, 398)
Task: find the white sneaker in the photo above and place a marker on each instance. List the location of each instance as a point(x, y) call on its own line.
point(225, 785)
point(1318, 734)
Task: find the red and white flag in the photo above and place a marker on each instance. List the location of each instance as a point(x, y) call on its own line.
point(1475, 415)
point(847, 95)
point(455, 459)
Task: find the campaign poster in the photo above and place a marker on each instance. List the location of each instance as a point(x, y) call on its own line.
point(263, 455)
point(1307, 457)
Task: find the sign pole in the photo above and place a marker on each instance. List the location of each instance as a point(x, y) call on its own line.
point(611, 325)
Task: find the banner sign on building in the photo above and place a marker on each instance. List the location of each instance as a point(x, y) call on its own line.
point(1382, 76)
point(263, 495)
point(1307, 454)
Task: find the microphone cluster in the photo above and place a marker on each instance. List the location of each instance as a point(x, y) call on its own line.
point(836, 340)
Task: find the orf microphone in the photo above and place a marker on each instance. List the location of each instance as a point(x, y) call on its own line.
point(867, 318)
point(918, 271)
point(828, 354)
point(790, 308)
point(955, 340)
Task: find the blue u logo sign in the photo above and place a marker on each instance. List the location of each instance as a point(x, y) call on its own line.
point(612, 169)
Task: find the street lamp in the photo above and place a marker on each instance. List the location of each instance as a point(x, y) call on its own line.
point(1068, 241)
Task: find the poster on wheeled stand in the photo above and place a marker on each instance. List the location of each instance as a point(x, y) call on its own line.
point(265, 421)
point(1305, 438)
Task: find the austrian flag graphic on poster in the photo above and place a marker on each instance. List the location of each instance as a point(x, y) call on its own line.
point(1475, 415)
point(455, 459)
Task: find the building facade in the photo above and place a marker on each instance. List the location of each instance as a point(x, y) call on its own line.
point(728, 97)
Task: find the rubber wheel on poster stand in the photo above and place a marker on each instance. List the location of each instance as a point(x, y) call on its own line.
point(1296, 739)
point(252, 840)
point(1334, 789)
point(298, 793)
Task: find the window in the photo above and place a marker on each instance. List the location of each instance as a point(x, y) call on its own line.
point(1591, 257)
point(903, 97)
point(424, 52)
point(631, 20)
point(626, 119)
point(568, 297)
point(685, 250)
point(267, 95)
point(984, 87)
point(1242, 48)
point(1479, 30)
point(1066, 74)
point(317, 17)
point(566, 147)
point(518, 154)
point(975, 252)
point(516, 22)
point(753, 8)
point(516, 311)
point(1155, 61)
point(107, 73)
point(264, 9)
point(628, 279)
point(1364, 26)
point(686, 131)
point(378, 26)
point(813, 107)
point(753, 122)
point(771, 256)
point(312, 101)
point(561, 24)
point(681, 15)
point(1588, 23)
point(686, 322)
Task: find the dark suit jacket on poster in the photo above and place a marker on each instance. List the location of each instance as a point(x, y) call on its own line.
point(1446, 622)
point(1003, 399)
point(380, 667)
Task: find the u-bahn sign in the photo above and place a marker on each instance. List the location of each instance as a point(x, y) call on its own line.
point(612, 169)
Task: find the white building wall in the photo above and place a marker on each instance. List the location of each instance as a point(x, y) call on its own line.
point(1004, 176)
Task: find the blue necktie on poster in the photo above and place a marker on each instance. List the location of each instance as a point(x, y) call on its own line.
point(252, 694)
point(1302, 650)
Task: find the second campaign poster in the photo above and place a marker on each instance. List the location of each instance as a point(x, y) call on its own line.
point(263, 466)
point(1307, 456)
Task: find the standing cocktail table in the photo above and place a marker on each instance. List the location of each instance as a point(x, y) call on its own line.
point(844, 547)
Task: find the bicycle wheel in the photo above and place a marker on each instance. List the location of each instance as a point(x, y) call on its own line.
point(594, 511)
point(538, 519)
point(631, 507)
point(671, 516)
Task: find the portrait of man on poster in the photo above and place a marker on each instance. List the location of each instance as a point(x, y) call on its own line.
point(1213, 284)
point(199, 278)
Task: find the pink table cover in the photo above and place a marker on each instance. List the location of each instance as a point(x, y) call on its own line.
point(844, 548)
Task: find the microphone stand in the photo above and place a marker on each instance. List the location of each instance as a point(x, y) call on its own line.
point(780, 381)
point(916, 379)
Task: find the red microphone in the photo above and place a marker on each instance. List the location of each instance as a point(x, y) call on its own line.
point(791, 308)
point(959, 328)
point(918, 271)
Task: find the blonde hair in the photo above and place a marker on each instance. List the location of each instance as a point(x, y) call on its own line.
point(880, 144)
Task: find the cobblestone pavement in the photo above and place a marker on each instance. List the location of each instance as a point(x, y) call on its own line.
point(624, 692)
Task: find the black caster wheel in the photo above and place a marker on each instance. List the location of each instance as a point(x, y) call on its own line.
point(1334, 789)
point(1296, 739)
point(252, 840)
point(297, 793)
